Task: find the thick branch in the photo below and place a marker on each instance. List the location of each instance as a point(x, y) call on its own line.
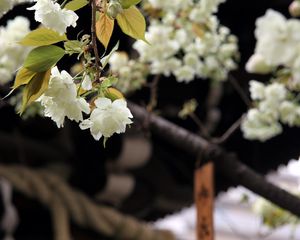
point(228, 164)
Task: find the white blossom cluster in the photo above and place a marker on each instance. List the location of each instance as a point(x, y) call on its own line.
point(52, 16)
point(274, 105)
point(12, 55)
point(188, 42)
point(61, 100)
point(6, 5)
point(277, 51)
point(131, 73)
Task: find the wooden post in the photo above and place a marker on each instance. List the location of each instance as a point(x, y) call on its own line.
point(204, 201)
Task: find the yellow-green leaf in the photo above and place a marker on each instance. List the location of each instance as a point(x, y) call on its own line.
point(35, 88)
point(132, 23)
point(113, 94)
point(42, 37)
point(23, 77)
point(128, 3)
point(104, 28)
point(75, 5)
point(43, 58)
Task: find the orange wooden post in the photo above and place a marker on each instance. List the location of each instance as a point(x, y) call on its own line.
point(204, 201)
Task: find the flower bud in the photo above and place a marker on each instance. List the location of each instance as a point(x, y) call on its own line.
point(114, 8)
point(257, 64)
point(294, 8)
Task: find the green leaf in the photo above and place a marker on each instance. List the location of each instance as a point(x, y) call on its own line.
point(128, 3)
point(104, 60)
point(72, 47)
point(35, 88)
point(43, 58)
point(23, 77)
point(42, 37)
point(75, 5)
point(132, 23)
point(104, 28)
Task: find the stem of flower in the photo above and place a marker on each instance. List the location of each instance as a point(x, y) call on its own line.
point(64, 3)
point(94, 40)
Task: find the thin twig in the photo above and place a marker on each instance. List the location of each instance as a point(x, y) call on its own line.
point(153, 93)
point(94, 39)
point(239, 90)
point(202, 128)
point(229, 132)
point(213, 100)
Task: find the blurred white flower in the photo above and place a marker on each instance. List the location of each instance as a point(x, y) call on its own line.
point(275, 92)
point(12, 55)
point(184, 74)
point(278, 39)
point(52, 16)
point(257, 64)
point(257, 90)
point(259, 126)
point(118, 60)
point(289, 113)
point(108, 118)
point(60, 99)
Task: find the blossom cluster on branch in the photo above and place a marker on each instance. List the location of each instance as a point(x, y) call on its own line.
point(186, 41)
point(86, 97)
point(277, 54)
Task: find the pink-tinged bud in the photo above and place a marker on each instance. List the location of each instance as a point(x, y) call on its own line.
point(294, 8)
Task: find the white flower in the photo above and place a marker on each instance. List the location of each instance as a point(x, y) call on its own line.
point(170, 5)
point(204, 10)
point(52, 16)
point(257, 90)
point(12, 55)
point(108, 118)
point(86, 83)
point(187, 50)
point(259, 126)
point(118, 60)
point(275, 92)
point(258, 64)
point(289, 113)
point(278, 39)
point(185, 74)
point(60, 99)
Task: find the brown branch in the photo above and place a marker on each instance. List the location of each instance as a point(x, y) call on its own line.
point(153, 93)
point(94, 39)
point(231, 130)
point(213, 115)
point(227, 164)
point(239, 90)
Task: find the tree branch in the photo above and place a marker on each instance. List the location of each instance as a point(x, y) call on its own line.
point(228, 164)
point(94, 39)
